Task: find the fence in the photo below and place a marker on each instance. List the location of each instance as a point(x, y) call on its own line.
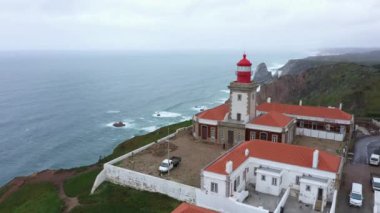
point(320, 134)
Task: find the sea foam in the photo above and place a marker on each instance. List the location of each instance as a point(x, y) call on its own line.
point(164, 114)
point(149, 128)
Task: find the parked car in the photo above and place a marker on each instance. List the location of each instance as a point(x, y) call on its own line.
point(356, 195)
point(375, 181)
point(168, 164)
point(374, 159)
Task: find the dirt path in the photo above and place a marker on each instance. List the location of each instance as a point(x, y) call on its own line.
point(56, 177)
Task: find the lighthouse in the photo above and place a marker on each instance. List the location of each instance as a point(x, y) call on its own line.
point(244, 71)
point(243, 93)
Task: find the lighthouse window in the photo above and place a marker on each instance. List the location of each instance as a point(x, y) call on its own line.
point(238, 116)
point(239, 97)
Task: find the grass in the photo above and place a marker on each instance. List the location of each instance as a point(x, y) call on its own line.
point(114, 198)
point(80, 184)
point(139, 141)
point(43, 197)
point(38, 197)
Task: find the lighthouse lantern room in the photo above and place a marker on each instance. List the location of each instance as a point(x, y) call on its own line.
point(244, 71)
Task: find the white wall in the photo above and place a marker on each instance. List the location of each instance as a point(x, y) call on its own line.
point(265, 186)
point(208, 178)
point(100, 178)
point(150, 183)
point(320, 134)
point(376, 197)
point(239, 106)
point(224, 204)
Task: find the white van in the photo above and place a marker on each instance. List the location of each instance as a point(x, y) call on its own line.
point(356, 195)
point(374, 160)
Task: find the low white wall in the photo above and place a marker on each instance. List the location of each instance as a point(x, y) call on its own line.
point(376, 203)
point(333, 204)
point(101, 177)
point(375, 122)
point(319, 134)
point(150, 183)
point(282, 201)
point(224, 204)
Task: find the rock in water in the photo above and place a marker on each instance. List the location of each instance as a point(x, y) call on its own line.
point(118, 124)
point(262, 75)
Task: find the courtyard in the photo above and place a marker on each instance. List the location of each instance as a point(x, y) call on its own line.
point(195, 156)
point(334, 147)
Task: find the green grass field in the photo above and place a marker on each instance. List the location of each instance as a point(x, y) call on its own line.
point(107, 198)
point(39, 197)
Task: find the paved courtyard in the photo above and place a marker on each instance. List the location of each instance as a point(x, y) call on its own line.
point(321, 144)
point(195, 156)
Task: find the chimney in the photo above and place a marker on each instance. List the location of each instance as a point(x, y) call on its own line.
point(300, 102)
point(315, 159)
point(229, 167)
point(340, 106)
point(246, 152)
point(269, 99)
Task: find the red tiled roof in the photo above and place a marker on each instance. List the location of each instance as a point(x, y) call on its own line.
point(216, 113)
point(189, 208)
point(278, 152)
point(273, 119)
point(312, 111)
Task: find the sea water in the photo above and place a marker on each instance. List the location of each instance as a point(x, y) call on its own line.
point(57, 108)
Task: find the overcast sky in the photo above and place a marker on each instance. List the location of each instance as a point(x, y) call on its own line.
point(188, 24)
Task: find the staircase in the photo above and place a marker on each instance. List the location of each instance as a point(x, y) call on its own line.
point(318, 205)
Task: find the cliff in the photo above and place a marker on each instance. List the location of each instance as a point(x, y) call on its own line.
point(297, 66)
point(356, 86)
point(262, 75)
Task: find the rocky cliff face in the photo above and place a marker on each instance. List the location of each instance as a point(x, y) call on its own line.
point(262, 75)
point(297, 66)
point(356, 86)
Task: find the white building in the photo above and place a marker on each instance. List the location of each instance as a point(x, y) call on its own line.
point(272, 168)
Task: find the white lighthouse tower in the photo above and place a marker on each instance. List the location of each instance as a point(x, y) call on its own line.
point(243, 93)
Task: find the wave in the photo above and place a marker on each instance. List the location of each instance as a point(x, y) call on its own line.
point(165, 114)
point(222, 100)
point(199, 108)
point(149, 128)
point(113, 111)
point(185, 118)
point(225, 91)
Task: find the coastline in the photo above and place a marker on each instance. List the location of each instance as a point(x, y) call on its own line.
point(75, 183)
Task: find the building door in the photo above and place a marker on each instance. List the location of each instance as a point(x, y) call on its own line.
point(320, 194)
point(230, 137)
point(263, 136)
point(204, 132)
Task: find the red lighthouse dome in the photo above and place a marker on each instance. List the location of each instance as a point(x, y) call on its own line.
point(244, 71)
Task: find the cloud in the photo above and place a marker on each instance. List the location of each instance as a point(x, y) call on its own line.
point(187, 25)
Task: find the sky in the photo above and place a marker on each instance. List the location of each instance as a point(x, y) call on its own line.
point(188, 24)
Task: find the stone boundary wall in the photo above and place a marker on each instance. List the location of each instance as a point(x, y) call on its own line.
point(140, 181)
point(102, 176)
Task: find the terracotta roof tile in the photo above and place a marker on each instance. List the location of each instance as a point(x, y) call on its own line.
point(216, 113)
point(278, 152)
point(273, 119)
point(189, 208)
point(312, 111)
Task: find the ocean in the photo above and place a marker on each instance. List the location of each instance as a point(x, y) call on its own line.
point(57, 107)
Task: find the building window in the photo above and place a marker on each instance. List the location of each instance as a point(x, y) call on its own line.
point(314, 125)
point(238, 115)
point(274, 138)
point(254, 171)
point(263, 136)
point(297, 180)
point(263, 177)
point(308, 188)
point(252, 135)
point(212, 132)
point(239, 97)
point(214, 187)
point(274, 181)
point(302, 124)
